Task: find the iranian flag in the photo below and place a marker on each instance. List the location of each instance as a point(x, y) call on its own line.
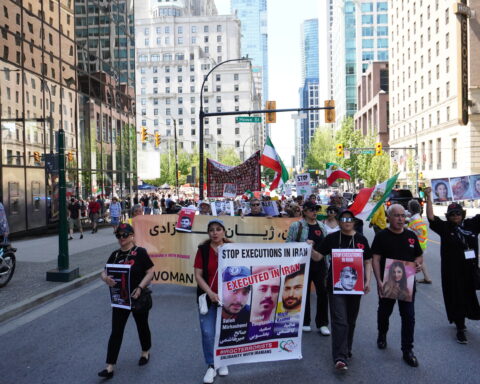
point(270, 159)
point(369, 200)
point(334, 172)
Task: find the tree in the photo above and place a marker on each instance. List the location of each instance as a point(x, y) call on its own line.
point(373, 169)
point(350, 138)
point(321, 150)
point(228, 156)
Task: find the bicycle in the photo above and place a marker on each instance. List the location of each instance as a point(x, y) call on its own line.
point(7, 263)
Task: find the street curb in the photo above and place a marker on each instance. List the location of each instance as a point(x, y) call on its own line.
point(36, 300)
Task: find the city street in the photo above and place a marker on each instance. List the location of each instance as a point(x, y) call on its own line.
point(65, 341)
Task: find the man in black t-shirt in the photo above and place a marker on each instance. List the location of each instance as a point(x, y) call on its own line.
point(344, 307)
point(74, 218)
point(397, 243)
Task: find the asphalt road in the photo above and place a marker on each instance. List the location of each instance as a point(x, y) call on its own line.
point(65, 341)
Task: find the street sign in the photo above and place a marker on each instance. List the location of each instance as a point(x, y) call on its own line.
point(248, 119)
point(51, 162)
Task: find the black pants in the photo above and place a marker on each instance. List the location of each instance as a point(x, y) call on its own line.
point(407, 313)
point(343, 314)
point(317, 274)
point(119, 320)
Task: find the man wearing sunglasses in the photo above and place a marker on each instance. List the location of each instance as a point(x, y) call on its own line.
point(256, 208)
point(398, 243)
point(312, 231)
point(459, 255)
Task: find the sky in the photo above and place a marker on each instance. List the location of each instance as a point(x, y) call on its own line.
point(284, 58)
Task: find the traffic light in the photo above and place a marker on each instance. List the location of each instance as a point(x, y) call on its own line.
point(70, 156)
point(378, 149)
point(36, 157)
point(271, 116)
point(144, 135)
point(157, 140)
point(329, 113)
point(340, 150)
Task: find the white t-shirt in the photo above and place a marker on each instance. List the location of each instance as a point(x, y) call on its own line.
point(330, 229)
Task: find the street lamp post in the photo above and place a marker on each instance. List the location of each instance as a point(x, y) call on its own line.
point(201, 116)
point(245, 142)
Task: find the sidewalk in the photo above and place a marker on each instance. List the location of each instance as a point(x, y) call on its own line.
point(35, 257)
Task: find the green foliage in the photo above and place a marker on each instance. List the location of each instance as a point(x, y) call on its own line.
point(367, 167)
point(228, 156)
point(321, 150)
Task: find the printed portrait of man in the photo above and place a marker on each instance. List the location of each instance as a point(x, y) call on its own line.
point(348, 279)
point(264, 297)
point(185, 223)
point(293, 291)
point(234, 302)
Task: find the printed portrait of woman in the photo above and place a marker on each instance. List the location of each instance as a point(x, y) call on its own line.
point(475, 183)
point(441, 189)
point(395, 286)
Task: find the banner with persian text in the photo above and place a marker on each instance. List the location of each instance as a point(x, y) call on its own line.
point(262, 288)
point(173, 253)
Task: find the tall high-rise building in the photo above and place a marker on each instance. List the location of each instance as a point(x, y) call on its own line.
point(175, 51)
point(60, 66)
point(360, 36)
point(309, 93)
point(329, 46)
point(254, 36)
point(427, 98)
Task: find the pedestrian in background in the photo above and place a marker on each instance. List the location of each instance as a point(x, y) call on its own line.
point(156, 205)
point(115, 213)
point(331, 222)
point(137, 210)
point(74, 218)
point(94, 213)
point(206, 275)
point(417, 225)
point(396, 243)
point(141, 274)
point(312, 231)
point(459, 258)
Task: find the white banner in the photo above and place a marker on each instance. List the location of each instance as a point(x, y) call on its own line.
point(262, 288)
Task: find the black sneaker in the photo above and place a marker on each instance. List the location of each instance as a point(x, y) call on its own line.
point(81, 236)
point(461, 338)
point(410, 358)
point(382, 340)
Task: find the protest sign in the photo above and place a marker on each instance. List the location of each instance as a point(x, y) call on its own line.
point(262, 288)
point(347, 271)
point(399, 279)
point(270, 208)
point(173, 253)
point(456, 188)
point(185, 220)
point(120, 293)
point(220, 208)
point(229, 190)
point(303, 184)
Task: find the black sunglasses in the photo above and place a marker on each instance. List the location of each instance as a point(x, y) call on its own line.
point(255, 205)
point(122, 235)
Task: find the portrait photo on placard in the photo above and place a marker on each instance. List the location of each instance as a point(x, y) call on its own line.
point(475, 186)
point(441, 190)
point(399, 279)
point(460, 188)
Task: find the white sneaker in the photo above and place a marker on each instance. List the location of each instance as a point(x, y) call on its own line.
point(209, 376)
point(325, 331)
point(307, 328)
point(223, 371)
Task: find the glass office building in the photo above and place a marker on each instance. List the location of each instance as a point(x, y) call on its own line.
point(254, 41)
point(65, 64)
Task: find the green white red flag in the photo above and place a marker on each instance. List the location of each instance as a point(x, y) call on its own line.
point(334, 172)
point(271, 159)
point(369, 200)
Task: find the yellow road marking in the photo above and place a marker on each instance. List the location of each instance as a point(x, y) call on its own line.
point(434, 241)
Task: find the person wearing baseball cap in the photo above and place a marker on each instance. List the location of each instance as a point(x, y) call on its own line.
point(141, 274)
point(459, 255)
point(312, 231)
point(206, 275)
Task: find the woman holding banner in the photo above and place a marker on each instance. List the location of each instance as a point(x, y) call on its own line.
point(206, 275)
point(141, 274)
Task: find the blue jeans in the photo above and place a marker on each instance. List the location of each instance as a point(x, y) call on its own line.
point(207, 325)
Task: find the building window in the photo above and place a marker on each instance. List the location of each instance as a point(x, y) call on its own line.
point(454, 153)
